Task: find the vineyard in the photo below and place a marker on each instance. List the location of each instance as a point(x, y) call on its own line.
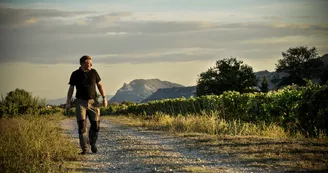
point(296, 109)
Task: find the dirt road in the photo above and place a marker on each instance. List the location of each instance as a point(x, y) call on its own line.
point(126, 149)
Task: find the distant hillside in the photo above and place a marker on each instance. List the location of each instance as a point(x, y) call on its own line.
point(62, 100)
point(270, 75)
point(108, 97)
point(139, 89)
point(169, 93)
point(57, 102)
point(324, 58)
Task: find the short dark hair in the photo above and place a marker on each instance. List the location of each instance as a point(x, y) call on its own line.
point(83, 58)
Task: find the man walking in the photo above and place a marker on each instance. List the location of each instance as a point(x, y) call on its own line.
point(85, 79)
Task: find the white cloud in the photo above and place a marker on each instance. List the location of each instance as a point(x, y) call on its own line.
point(193, 51)
point(287, 39)
point(185, 16)
point(32, 20)
point(10, 17)
point(144, 37)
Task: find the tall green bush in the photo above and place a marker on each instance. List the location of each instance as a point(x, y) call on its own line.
point(19, 102)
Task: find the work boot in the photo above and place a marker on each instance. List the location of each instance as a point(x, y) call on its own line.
point(93, 148)
point(84, 152)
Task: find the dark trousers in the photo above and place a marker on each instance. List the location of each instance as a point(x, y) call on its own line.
point(87, 109)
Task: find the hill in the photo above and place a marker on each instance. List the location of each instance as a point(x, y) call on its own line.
point(56, 102)
point(139, 89)
point(324, 58)
point(170, 93)
point(271, 75)
point(62, 100)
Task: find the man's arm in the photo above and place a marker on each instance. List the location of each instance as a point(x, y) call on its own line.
point(102, 92)
point(101, 89)
point(69, 95)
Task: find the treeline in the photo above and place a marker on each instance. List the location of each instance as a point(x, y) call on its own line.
point(298, 64)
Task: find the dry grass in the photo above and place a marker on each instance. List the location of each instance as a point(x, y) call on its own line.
point(34, 144)
point(198, 169)
point(257, 145)
point(208, 124)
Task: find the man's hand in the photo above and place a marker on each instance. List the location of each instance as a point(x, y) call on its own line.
point(67, 108)
point(105, 102)
point(69, 96)
point(102, 92)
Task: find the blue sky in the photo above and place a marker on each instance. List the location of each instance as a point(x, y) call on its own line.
point(148, 37)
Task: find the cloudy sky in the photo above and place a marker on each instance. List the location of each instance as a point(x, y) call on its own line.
point(173, 40)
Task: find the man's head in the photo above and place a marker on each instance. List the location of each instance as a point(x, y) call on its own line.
point(86, 62)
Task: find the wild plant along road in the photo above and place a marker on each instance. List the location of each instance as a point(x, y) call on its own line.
point(127, 149)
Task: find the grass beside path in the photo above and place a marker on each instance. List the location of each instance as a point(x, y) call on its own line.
point(34, 144)
point(254, 145)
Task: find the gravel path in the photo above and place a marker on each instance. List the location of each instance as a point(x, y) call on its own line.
point(126, 149)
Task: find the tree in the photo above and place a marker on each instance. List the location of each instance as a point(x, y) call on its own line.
point(299, 63)
point(20, 102)
point(228, 74)
point(264, 85)
point(206, 83)
point(324, 75)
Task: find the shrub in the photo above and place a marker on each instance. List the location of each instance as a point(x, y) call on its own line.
point(19, 102)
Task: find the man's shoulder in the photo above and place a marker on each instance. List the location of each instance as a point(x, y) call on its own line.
point(95, 74)
point(76, 71)
point(93, 70)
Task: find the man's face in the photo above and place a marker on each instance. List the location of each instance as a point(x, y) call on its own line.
point(87, 64)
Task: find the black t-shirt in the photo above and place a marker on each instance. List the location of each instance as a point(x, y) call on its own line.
point(85, 83)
